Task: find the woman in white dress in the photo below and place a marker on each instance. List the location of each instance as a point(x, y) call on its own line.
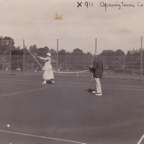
point(48, 71)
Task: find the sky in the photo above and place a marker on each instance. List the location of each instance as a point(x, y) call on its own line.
point(87, 25)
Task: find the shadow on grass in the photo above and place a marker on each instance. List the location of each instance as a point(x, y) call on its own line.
point(49, 82)
point(90, 90)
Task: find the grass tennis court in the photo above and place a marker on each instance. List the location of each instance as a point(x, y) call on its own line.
point(68, 113)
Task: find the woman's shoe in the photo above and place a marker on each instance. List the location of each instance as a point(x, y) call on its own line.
point(93, 92)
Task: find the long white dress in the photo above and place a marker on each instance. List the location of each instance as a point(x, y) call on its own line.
point(48, 71)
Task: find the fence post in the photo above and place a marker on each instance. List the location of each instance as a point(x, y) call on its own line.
point(57, 58)
point(3, 64)
point(66, 61)
point(124, 64)
point(141, 62)
point(95, 45)
point(84, 61)
point(10, 60)
point(103, 63)
point(23, 55)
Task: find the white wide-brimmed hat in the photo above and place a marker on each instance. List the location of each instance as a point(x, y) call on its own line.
point(48, 54)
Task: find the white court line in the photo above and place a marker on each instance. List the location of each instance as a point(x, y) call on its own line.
point(1, 94)
point(44, 137)
point(85, 85)
point(102, 84)
point(122, 86)
point(22, 82)
point(139, 142)
point(6, 80)
point(106, 87)
point(126, 89)
point(76, 83)
point(27, 91)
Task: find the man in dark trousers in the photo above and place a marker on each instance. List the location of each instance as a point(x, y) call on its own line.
point(97, 70)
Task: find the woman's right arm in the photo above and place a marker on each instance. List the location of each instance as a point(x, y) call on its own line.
point(43, 58)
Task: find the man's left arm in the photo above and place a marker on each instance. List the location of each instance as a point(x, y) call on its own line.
point(102, 66)
point(94, 65)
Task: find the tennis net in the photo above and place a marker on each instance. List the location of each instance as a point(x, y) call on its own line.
point(72, 74)
point(77, 74)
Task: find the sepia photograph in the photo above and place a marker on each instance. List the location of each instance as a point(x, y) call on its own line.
point(72, 72)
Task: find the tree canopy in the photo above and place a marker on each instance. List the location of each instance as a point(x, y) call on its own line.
point(77, 59)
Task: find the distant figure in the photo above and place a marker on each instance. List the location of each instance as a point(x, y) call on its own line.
point(48, 72)
point(97, 70)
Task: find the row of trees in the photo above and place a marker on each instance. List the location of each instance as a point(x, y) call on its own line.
point(118, 58)
point(75, 60)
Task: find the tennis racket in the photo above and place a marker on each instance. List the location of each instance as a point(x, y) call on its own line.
point(91, 77)
point(91, 71)
point(35, 55)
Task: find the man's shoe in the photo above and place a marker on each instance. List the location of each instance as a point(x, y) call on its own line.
point(98, 94)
